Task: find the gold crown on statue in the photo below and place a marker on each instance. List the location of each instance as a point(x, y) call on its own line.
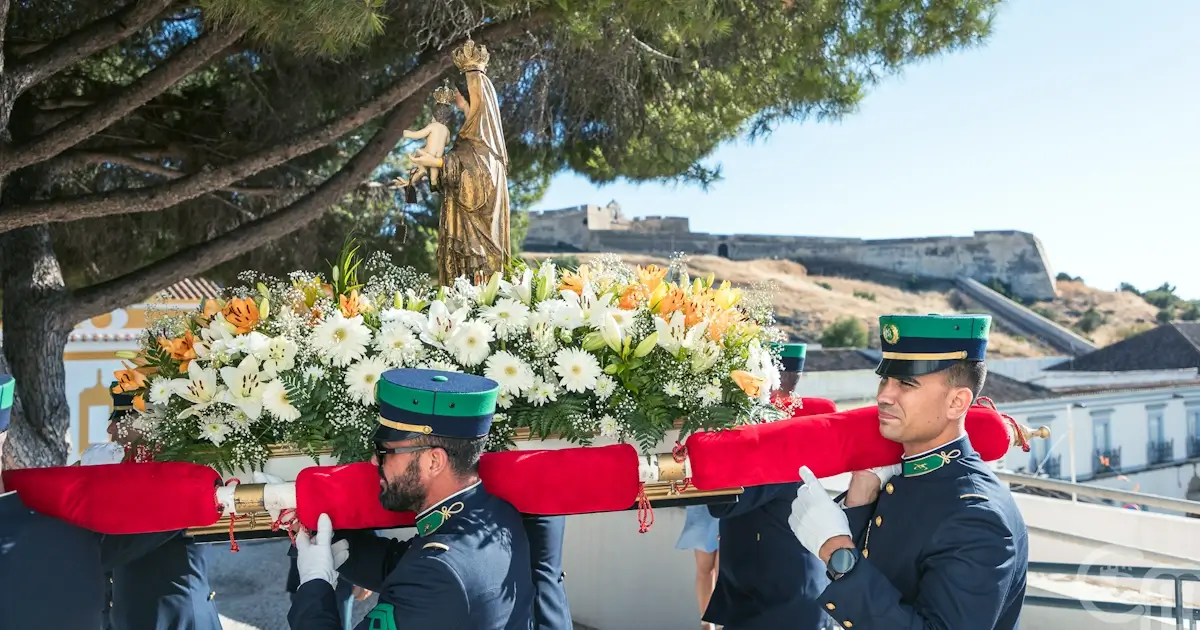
point(471, 56)
point(444, 95)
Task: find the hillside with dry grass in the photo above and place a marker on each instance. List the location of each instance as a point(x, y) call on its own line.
point(1105, 317)
point(806, 306)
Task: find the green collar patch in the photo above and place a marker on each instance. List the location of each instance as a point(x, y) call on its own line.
point(430, 523)
point(928, 463)
point(381, 617)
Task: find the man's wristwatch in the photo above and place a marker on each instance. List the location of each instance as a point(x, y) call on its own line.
point(841, 562)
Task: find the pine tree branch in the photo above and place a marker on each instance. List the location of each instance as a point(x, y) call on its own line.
point(108, 111)
point(140, 283)
point(155, 198)
point(68, 50)
point(73, 160)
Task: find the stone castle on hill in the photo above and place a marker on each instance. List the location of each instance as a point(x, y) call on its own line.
point(1013, 258)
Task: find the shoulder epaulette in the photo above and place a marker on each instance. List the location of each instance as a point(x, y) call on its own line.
point(436, 545)
point(974, 496)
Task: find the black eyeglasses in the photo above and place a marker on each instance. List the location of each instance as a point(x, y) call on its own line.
point(381, 451)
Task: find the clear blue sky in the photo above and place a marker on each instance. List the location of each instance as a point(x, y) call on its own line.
point(1078, 121)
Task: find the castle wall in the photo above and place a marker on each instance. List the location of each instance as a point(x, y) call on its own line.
point(1015, 258)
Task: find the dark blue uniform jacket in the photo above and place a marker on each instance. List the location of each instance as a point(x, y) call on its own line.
point(161, 583)
point(944, 547)
point(51, 573)
point(550, 608)
point(766, 579)
point(469, 573)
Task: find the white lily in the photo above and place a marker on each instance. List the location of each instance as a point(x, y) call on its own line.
point(612, 333)
point(199, 388)
point(522, 290)
point(674, 335)
point(441, 323)
point(245, 383)
point(279, 355)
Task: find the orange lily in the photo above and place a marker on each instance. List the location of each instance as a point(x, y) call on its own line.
point(651, 276)
point(242, 313)
point(574, 281)
point(350, 306)
point(748, 382)
point(182, 349)
point(129, 379)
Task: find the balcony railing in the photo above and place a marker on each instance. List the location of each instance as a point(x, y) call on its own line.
point(1160, 452)
point(1193, 446)
point(1108, 460)
point(1051, 467)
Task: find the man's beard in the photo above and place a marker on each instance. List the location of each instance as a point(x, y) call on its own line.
point(405, 493)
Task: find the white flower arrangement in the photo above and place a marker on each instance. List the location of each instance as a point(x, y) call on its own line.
point(603, 350)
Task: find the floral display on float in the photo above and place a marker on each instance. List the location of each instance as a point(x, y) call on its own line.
point(599, 350)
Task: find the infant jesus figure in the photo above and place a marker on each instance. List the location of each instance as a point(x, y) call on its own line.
point(436, 135)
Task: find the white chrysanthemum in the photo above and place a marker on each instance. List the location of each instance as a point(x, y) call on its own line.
point(275, 400)
point(362, 377)
point(398, 345)
point(214, 431)
point(605, 386)
point(503, 401)
point(673, 388)
point(441, 366)
point(238, 420)
point(709, 394)
point(161, 390)
point(541, 393)
point(513, 375)
point(254, 343)
point(577, 369)
point(507, 316)
point(403, 317)
point(314, 373)
point(470, 342)
point(608, 426)
point(340, 340)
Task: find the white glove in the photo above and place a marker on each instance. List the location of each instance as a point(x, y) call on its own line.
point(103, 453)
point(815, 517)
point(341, 553)
point(314, 558)
point(886, 472)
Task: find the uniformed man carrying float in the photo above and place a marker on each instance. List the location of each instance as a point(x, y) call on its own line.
point(51, 572)
point(766, 579)
point(468, 568)
point(158, 581)
point(943, 544)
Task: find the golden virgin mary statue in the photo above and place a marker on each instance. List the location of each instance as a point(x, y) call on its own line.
point(473, 230)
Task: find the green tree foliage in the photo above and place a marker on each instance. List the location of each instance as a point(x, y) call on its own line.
point(149, 140)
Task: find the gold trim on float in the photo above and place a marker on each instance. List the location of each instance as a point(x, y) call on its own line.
point(284, 450)
point(261, 521)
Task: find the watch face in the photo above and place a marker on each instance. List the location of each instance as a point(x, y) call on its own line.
point(841, 561)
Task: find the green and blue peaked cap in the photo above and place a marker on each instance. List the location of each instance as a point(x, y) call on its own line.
point(792, 355)
point(416, 402)
point(121, 402)
point(8, 388)
point(915, 345)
